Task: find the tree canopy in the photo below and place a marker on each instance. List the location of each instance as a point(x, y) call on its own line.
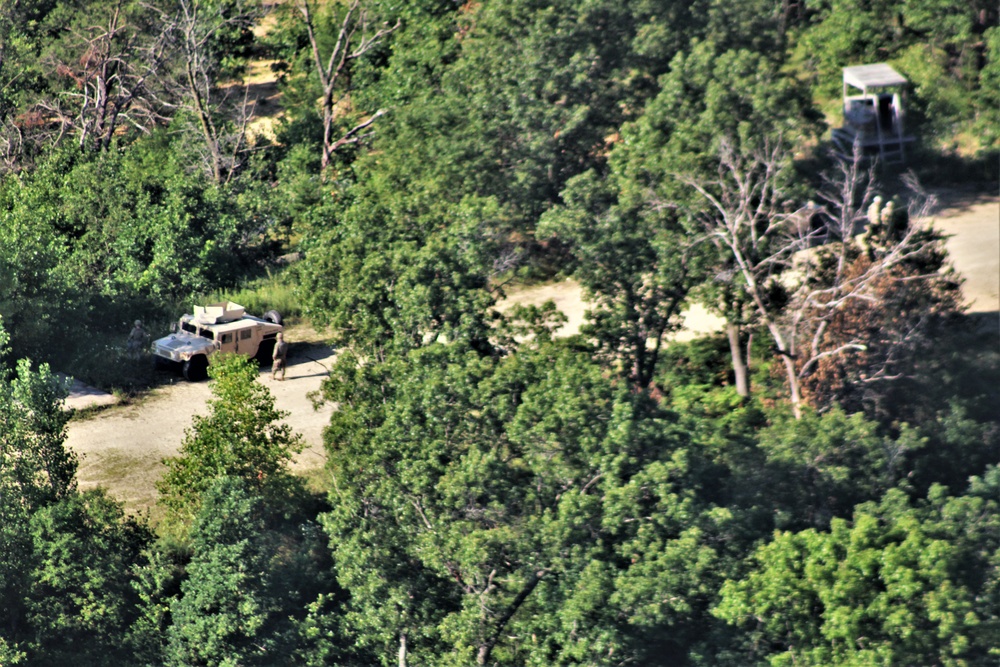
point(814, 484)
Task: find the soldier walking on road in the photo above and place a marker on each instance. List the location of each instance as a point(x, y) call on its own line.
point(280, 357)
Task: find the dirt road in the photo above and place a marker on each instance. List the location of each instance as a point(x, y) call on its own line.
point(122, 448)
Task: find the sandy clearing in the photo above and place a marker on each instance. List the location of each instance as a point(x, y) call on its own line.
point(974, 248)
point(122, 448)
point(569, 298)
point(971, 220)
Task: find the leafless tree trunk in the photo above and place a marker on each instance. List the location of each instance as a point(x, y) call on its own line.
point(769, 245)
point(193, 84)
point(110, 79)
point(736, 353)
point(747, 218)
point(355, 37)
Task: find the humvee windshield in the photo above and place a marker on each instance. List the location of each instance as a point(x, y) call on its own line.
point(190, 328)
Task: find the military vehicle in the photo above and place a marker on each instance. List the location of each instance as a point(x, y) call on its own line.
point(217, 327)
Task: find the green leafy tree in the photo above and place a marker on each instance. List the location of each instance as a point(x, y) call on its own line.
point(97, 240)
point(959, 442)
point(725, 121)
point(389, 282)
point(81, 601)
point(521, 510)
point(641, 242)
point(989, 99)
point(35, 471)
point(132, 223)
point(636, 265)
point(222, 615)
point(916, 582)
point(461, 143)
point(257, 576)
point(822, 465)
point(242, 437)
point(38, 466)
point(537, 91)
point(67, 559)
point(464, 163)
point(20, 37)
point(711, 96)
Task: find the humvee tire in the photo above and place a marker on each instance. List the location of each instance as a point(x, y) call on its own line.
point(273, 316)
point(196, 368)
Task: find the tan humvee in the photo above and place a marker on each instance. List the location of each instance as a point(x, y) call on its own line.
point(217, 327)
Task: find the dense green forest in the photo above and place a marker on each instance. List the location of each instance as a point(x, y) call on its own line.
point(818, 484)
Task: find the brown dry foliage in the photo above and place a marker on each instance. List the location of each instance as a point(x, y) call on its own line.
point(897, 321)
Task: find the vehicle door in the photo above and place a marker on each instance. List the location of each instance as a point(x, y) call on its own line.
point(226, 340)
point(247, 341)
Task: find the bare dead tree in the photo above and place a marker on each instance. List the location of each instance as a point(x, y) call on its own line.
point(108, 83)
point(748, 221)
point(356, 37)
point(221, 113)
point(866, 300)
point(771, 250)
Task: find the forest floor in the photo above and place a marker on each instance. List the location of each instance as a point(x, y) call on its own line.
point(122, 447)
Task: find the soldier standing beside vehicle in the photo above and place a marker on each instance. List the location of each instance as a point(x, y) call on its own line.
point(279, 357)
point(136, 340)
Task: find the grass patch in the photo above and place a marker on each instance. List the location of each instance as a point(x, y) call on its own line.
point(83, 414)
point(114, 466)
point(318, 480)
point(272, 292)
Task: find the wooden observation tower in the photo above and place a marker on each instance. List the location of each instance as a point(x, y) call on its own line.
point(873, 119)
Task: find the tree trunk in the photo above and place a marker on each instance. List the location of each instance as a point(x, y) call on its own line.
point(486, 648)
point(402, 649)
point(739, 366)
point(327, 132)
point(207, 127)
point(793, 385)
